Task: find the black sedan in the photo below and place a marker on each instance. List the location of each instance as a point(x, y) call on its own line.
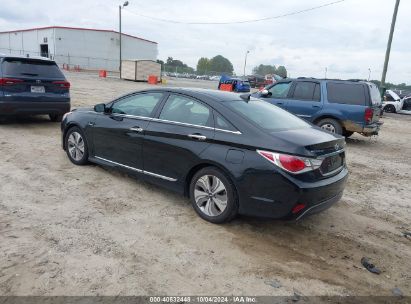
point(229, 154)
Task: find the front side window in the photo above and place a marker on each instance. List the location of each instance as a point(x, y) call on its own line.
point(186, 110)
point(137, 105)
point(280, 90)
point(306, 91)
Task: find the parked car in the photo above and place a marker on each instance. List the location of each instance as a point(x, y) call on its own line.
point(338, 106)
point(256, 81)
point(236, 84)
point(272, 78)
point(406, 104)
point(392, 103)
point(228, 154)
point(31, 86)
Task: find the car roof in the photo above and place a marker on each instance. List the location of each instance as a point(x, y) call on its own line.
point(202, 93)
point(324, 79)
point(25, 57)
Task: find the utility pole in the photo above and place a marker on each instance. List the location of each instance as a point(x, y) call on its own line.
point(369, 74)
point(245, 60)
point(387, 53)
point(119, 14)
point(325, 73)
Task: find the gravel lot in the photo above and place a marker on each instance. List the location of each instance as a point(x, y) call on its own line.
point(68, 230)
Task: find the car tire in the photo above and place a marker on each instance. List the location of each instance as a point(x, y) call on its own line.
point(213, 196)
point(347, 133)
point(76, 146)
point(330, 125)
point(56, 117)
point(390, 109)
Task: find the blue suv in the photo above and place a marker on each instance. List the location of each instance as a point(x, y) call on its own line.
point(32, 85)
point(338, 106)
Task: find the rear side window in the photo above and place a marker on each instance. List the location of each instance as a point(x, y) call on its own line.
point(346, 93)
point(221, 123)
point(31, 67)
point(306, 91)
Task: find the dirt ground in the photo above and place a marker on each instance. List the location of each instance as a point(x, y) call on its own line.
point(68, 230)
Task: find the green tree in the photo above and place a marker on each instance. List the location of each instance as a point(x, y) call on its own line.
point(282, 71)
point(203, 65)
point(264, 69)
point(174, 65)
point(220, 64)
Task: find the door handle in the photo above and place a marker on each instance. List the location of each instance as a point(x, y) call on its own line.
point(279, 103)
point(197, 136)
point(314, 106)
point(136, 129)
point(90, 123)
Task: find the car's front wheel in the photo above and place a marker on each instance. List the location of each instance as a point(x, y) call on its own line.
point(389, 109)
point(213, 196)
point(76, 146)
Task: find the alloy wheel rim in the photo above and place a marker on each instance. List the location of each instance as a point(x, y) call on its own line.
point(328, 127)
point(210, 195)
point(75, 146)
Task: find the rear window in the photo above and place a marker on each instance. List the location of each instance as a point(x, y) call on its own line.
point(31, 67)
point(375, 94)
point(266, 116)
point(346, 93)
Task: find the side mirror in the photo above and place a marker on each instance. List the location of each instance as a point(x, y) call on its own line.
point(100, 108)
point(264, 93)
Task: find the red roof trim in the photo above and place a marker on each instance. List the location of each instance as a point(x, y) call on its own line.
point(75, 28)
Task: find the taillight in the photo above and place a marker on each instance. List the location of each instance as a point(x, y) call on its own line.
point(297, 208)
point(9, 81)
point(368, 115)
point(62, 84)
point(291, 163)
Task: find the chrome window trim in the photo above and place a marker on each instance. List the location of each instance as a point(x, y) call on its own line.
point(193, 125)
point(138, 170)
point(169, 121)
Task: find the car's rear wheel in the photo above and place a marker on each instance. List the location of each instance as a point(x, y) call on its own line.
point(56, 117)
point(213, 196)
point(330, 125)
point(389, 109)
point(76, 146)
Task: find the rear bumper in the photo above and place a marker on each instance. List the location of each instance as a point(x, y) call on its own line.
point(32, 108)
point(276, 198)
point(367, 130)
point(372, 129)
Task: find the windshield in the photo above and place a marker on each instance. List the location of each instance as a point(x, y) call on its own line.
point(266, 116)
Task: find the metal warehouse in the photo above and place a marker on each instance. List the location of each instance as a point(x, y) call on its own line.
point(77, 47)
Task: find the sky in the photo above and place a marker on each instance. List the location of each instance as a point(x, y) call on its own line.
point(348, 38)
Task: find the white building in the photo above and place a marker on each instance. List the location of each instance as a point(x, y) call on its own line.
point(86, 48)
